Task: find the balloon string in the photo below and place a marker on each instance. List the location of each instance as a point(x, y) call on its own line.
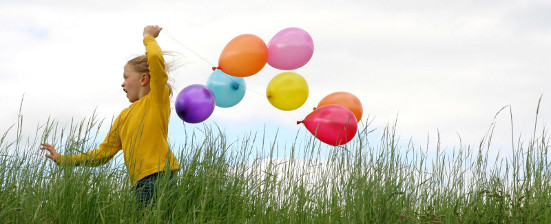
point(187, 48)
point(196, 54)
point(261, 95)
point(257, 93)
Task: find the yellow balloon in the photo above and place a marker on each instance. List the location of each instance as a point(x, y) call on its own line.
point(287, 91)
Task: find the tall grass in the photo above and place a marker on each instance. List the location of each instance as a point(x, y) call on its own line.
point(257, 180)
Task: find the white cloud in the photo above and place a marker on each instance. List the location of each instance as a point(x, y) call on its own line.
point(439, 65)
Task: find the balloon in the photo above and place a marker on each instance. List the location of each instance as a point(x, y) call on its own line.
point(290, 49)
point(287, 91)
point(244, 55)
point(228, 90)
point(344, 99)
point(332, 124)
point(195, 103)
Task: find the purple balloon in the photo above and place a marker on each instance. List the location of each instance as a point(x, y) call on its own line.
point(195, 103)
point(290, 49)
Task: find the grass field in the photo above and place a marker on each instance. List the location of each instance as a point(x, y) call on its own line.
point(256, 180)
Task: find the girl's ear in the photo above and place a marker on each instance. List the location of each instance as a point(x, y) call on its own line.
point(145, 79)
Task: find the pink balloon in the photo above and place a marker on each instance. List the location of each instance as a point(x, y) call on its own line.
point(290, 49)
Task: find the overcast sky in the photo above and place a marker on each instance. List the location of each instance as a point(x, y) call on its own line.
point(446, 66)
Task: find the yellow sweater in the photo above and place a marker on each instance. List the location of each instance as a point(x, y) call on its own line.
point(141, 130)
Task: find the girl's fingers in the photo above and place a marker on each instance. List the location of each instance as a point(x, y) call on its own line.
point(152, 30)
point(48, 147)
point(51, 154)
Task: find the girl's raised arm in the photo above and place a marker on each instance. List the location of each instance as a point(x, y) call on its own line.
point(155, 60)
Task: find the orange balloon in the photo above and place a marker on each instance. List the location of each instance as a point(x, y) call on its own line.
point(243, 56)
point(344, 99)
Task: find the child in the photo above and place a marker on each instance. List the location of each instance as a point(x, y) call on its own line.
point(141, 129)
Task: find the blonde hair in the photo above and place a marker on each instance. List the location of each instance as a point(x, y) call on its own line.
point(141, 66)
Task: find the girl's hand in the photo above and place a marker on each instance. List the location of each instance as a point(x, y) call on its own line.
point(53, 155)
point(151, 31)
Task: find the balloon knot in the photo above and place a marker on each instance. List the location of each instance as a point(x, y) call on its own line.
point(298, 122)
point(214, 68)
point(235, 85)
point(315, 108)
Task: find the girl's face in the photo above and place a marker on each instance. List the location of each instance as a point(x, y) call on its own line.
point(131, 84)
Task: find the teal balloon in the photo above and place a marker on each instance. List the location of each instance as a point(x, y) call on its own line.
point(228, 90)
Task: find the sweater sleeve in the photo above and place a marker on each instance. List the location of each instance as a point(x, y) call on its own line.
point(159, 90)
point(106, 151)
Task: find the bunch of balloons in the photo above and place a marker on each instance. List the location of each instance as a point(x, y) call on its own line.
point(334, 121)
point(245, 55)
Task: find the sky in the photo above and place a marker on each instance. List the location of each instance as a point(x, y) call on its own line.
point(440, 68)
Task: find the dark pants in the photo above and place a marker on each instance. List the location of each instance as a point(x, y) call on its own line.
point(146, 188)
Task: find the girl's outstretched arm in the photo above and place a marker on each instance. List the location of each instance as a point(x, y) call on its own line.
point(110, 146)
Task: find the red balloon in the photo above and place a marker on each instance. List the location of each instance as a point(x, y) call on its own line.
point(332, 124)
